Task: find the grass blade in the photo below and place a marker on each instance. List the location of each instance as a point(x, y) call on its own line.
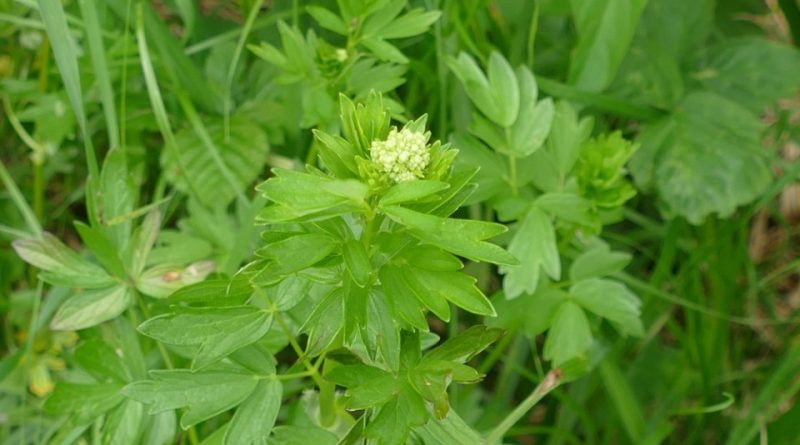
point(98, 55)
point(55, 22)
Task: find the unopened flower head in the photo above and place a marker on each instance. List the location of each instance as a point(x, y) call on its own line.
point(403, 156)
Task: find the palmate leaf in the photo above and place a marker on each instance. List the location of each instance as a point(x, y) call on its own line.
point(706, 158)
point(216, 174)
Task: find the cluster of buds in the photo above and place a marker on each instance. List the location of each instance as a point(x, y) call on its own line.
point(403, 156)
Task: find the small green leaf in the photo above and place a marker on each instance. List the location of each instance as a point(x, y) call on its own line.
point(410, 24)
point(611, 300)
point(598, 262)
point(466, 345)
point(203, 394)
point(504, 85)
point(327, 19)
point(384, 50)
point(162, 280)
point(569, 335)
point(456, 287)
point(533, 123)
point(91, 307)
point(61, 265)
point(256, 416)
point(534, 244)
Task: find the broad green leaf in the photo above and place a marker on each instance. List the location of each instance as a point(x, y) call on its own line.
point(754, 72)
point(535, 117)
point(611, 300)
point(706, 158)
point(204, 394)
point(466, 345)
point(91, 307)
point(569, 335)
point(60, 264)
point(411, 191)
point(327, 19)
point(218, 331)
point(462, 237)
point(534, 244)
point(605, 31)
point(124, 424)
point(85, 401)
point(434, 301)
point(598, 262)
point(215, 173)
point(256, 416)
point(357, 261)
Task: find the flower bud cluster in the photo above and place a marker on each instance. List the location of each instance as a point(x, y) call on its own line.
point(403, 156)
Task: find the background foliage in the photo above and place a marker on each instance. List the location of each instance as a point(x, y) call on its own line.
point(196, 245)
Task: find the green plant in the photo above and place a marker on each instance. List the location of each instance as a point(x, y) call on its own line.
point(408, 222)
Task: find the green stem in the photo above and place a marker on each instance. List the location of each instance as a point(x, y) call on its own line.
point(19, 200)
point(551, 381)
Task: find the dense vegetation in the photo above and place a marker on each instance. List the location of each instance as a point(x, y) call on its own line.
point(399, 222)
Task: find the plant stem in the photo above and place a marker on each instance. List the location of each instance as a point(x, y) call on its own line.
point(550, 382)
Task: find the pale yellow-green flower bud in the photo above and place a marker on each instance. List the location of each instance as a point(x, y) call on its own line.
point(403, 156)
